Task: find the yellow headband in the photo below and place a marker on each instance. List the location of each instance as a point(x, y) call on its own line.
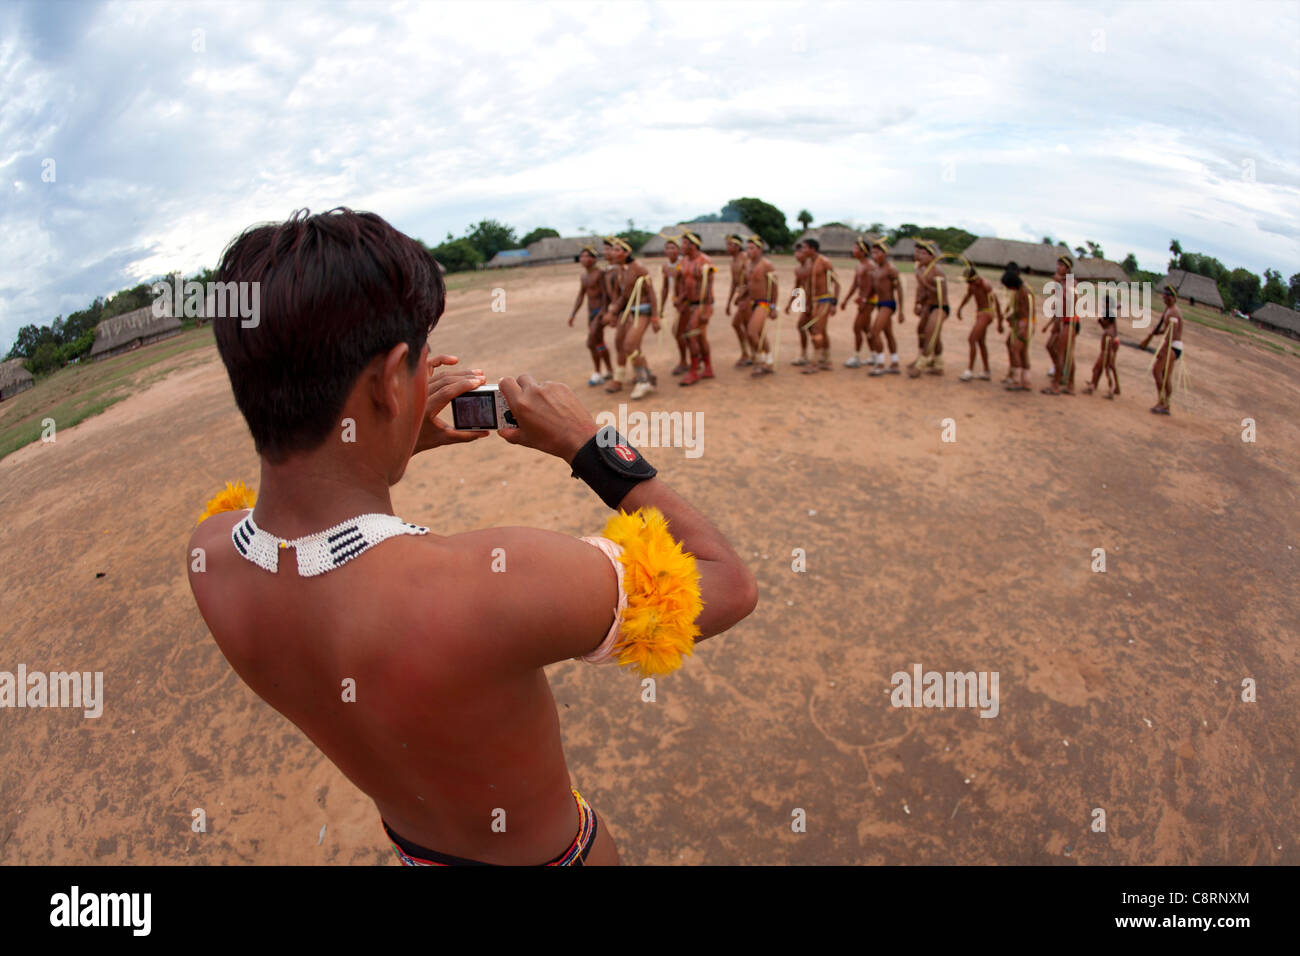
point(589, 248)
point(670, 241)
point(756, 241)
point(880, 244)
point(1069, 263)
point(928, 246)
point(863, 244)
point(736, 239)
point(693, 239)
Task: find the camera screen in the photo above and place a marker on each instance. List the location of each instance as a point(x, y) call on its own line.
point(472, 411)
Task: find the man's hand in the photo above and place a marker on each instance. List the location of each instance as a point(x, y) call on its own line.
point(654, 323)
point(571, 318)
point(442, 389)
point(550, 417)
point(706, 312)
point(610, 318)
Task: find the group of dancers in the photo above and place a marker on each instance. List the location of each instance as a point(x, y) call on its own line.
point(622, 295)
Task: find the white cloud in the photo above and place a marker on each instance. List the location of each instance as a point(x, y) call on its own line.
point(573, 115)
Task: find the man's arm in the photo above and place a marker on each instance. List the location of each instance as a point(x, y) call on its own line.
point(582, 291)
point(849, 294)
point(966, 298)
point(557, 573)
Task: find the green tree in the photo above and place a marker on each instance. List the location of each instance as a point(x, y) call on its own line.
point(1242, 287)
point(76, 348)
point(29, 339)
point(457, 255)
point(1047, 241)
point(1094, 249)
point(1129, 265)
point(765, 219)
point(634, 237)
point(1274, 290)
point(45, 359)
point(489, 237)
point(805, 219)
point(877, 228)
point(128, 300)
point(1080, 252)
point(1295, 291)
point(1176, 249)
point(539, 233)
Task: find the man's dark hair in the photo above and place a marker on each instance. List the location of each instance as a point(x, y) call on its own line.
point(1011, 276)
point(336, 289)
point(816, 246)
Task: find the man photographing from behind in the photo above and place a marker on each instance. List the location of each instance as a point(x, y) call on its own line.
point(450, 725)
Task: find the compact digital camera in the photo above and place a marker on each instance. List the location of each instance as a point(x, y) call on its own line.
point(482, 408)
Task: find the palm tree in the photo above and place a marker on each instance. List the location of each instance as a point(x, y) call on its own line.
point(805, 218)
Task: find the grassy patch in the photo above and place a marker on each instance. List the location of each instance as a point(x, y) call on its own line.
point(73, 394)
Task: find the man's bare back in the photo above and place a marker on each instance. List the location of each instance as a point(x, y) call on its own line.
point(415, 663)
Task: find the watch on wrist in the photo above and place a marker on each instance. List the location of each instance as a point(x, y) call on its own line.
point(610, 466)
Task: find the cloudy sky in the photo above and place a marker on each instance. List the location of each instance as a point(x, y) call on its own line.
point(166, 128)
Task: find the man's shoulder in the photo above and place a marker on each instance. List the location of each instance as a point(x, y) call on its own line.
point(215, 531)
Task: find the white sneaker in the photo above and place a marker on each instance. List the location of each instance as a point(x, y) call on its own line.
point(596, 379)
point(966, 376)
point(641, 390)
point(984, 377)
point(852, 362)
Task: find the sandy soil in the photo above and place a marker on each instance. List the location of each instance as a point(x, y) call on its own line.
point(1119, 691)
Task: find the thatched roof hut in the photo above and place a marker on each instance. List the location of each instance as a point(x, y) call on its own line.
point(1030, 256)
point(1277, 318)
point(712, 234)
point(544, 252)
point(837, 240)
point(560, 248)
point(130, 330)
point(14, 378)
point(1196, 289)
point(904, 248)
point(1099, 270)
point(508, 257)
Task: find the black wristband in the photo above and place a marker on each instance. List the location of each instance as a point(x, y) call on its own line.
point(610, 466)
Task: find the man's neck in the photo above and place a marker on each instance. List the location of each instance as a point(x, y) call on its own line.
point(310, 493)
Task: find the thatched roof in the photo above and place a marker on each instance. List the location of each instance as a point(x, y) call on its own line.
point(837, 240)
point(1197, 288)
point(13, 373)
point(1038, 256)
point(125, 328)
point(1099, 270)
point(904, 248)
point(712, 234)
point(508, 257)
point(561, 248)
point(544, 251)
point(1278, 316)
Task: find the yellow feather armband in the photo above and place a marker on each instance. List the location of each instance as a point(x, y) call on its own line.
point(662, 587)
point(235, 496)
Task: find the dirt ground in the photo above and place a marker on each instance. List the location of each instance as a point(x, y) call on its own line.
point(1118, 690)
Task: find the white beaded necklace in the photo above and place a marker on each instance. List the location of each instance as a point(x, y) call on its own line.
point(324, 550)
